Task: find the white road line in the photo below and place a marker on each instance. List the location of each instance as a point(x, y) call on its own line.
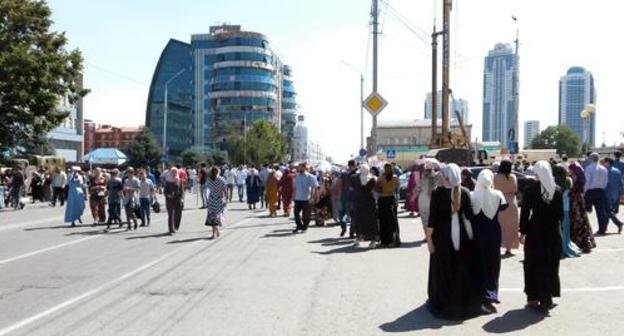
point(98, 289)
point(85, 295)
point(47, 249)
point(35, 222)
point(574, 290)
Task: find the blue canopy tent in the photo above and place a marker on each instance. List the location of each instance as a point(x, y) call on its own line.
point(106, 156)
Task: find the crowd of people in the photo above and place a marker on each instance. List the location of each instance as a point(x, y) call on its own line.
point(466, 219)
point(468, 222)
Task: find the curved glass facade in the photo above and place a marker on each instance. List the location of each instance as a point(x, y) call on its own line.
point(233, 79)
point(175, 57)
point(289, 106)
point(238, 80)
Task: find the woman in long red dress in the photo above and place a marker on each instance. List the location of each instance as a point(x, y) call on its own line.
point(412, 193)
point(287, 186)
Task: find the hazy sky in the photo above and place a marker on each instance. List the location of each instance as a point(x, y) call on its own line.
point(121, 41)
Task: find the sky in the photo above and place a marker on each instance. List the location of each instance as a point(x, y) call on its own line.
point(328, 45)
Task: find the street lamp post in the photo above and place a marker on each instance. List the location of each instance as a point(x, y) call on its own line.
point(166, 110)
point(586, 116)
point(361, 101)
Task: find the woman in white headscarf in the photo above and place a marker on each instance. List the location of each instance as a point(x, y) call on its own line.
point(540, 229)
point(452, 290)
point(487, 202)
point(364, 207)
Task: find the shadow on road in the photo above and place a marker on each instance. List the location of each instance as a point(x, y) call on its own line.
point(418, 319)
point(418, 243)
point(156, 235)
point(513, 321)
point(332, 241)
point(65, 226)
point(279, 234)
point(190, 240)
point(345, 249)
point(86, 233)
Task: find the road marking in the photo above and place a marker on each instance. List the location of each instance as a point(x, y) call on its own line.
point(100, 288)
point(35, 222)
point(92, 292)
point(47, 249)
point(574, 290)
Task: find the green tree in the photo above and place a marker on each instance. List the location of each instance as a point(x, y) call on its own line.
point(144, 151)
point(36, 71)
point(263, 143)
point(562, 138)
point(38, 145)
point(192, 157)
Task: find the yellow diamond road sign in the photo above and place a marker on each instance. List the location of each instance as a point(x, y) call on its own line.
point(375, 103)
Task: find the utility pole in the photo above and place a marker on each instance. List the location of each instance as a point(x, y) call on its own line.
point(375, 16)
point(361, 111)
point(446, 50)
point(516, 83)
point(434, 86)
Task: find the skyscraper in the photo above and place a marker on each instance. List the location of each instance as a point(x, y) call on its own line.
point(531, 129)
point(460, 105)
point(576, 91)
point(175, 69)
point(231, 78)
point(500, 96)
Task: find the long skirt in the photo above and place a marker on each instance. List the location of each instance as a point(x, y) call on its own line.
point(364, 217)
point(75, 204)
point(580, 229)
point(272, 198)
point(388, 222)
point(487, 260)
point(568, 250)
point(541, 271)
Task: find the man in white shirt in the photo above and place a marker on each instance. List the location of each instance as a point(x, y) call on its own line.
point(59, 180)
point(230, 180)
point(241, 176)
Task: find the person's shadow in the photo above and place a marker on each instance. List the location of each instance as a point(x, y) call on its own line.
point(514, 320)
point(418, 319)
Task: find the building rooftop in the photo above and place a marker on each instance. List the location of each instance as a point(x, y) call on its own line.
point(412, 123)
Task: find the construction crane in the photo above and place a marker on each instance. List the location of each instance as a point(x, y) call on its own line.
point(452, 147)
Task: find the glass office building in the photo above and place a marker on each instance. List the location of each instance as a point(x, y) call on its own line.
point(500, 94)
point(576, 91)
point(289, 107)
point(231, 78)
point(175, 68)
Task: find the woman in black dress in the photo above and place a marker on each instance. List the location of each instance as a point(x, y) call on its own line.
point(487, 202)
point(364, 207)
point(540, 228)
point(452, 290)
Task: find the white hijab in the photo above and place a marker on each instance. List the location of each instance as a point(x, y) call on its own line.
point(543, 171)
point(485, 198)
point(364, 172)
point(452, 173)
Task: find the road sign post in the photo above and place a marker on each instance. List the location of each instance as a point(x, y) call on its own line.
point(374, 104)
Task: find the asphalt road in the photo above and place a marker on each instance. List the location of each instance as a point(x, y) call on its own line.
point(259, 279)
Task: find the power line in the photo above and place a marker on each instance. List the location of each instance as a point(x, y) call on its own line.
point(415, 29)
point(115, 74)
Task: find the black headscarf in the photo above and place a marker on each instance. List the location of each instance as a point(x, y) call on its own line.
point(505, 167)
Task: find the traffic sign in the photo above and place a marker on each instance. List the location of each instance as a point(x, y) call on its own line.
point(375, 103)
point(390, 154)
point(362, 152)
